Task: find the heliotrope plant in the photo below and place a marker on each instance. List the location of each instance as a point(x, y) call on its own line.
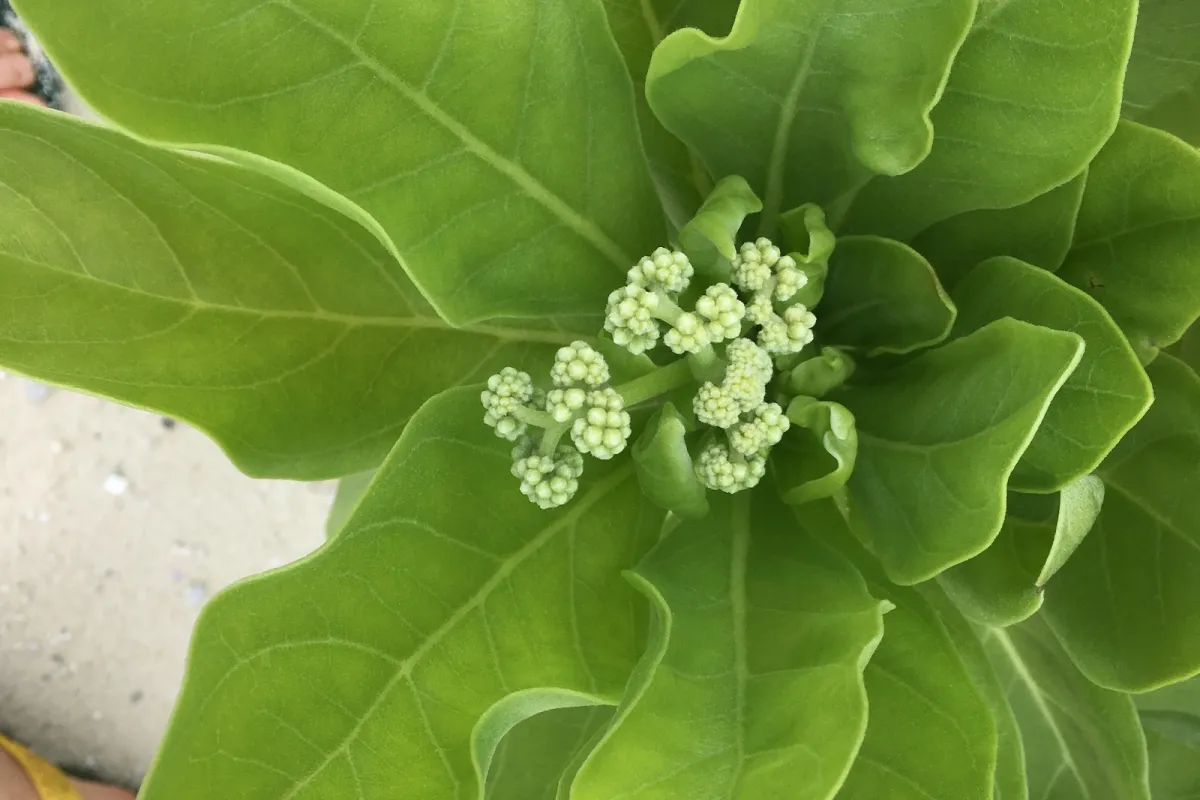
point(792, 399)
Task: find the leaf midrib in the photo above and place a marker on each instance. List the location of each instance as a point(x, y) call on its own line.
point(406, 666)
point(417, 322)
point(573, 219)
point(1035, 692)
point(737, 603)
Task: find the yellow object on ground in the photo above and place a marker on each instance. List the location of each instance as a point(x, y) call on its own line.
point(47, 779)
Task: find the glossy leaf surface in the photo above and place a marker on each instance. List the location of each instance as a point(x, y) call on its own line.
point(1134, 248)
point(1100, 401)
point(1125, 604)
point(939, 436)
point(806, 100)
point(216, 295)
point(762, 620)
point(417, 631)
point(496, 143)
point(1162, 84)
point(1034, 93)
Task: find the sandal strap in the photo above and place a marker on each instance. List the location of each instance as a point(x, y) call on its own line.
point(48, 780)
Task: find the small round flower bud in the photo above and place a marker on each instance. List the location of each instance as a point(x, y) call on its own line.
point(723, 312)
point(760, 311)
point(718, 468)
point(769, 252)
point(688, 335)
point(579, 362)
point(788, 279)
point(663, 270)
point(789, 333)
point(507, 391)
point(762, 431)
point(749, 272)
point(548, 481)
point(630, 318)
point(604, 429)
point(715, 405)
point(564, 404)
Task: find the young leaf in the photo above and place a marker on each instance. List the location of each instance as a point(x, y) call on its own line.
point(219, 296)
point(1100, 401)
point(1162, 82)
point(710, 238)
point(664, 466)
point(881, 296)
point(931, 731)
point(531, 759)
point(1038, 232)
point(1003, 585)
point(807, 99)
point(638, 26)
point(1034, 93)
point(759, 692)
point(1080, 740)
point(816, 457)
point(349, 491)
point(399, 655)
point(496, 143)
point(1125, 604)
point(1134, 248)
point(938, 437)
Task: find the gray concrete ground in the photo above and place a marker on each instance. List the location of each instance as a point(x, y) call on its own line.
point(114, 530)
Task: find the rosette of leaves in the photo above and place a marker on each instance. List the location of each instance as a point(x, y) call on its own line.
point(968, 568)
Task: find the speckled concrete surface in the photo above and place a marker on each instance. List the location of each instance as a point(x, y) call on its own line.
point(114, 529)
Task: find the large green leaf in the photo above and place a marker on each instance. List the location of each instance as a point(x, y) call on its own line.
point(1162, 83)
point(1125, 604)
point(1034, 93)
point(399, 654)
point(1003, 585)
point(638, 26)
point(807, 98)
point(349, 491)
point(496, 143)
point(881, 296)
point(931, 731)
point(1082, 742)
point(1038, 232)
point(209, 292)
point(1134, 248)
point(759, 692)
point(532, 757)
point(938, 437)
point(1173, 746)
point(1100, 401)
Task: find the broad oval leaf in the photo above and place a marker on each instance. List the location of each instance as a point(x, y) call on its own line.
point(710, 238)
point(399, 654)
point(938, 437)
point(1038, 232)
point(1081, 741)
point(1003, 585)
point(217, 295)
point(532, 758)
point(1134, 248)
point(497, 144)
point(931, 731)
point(350, 490)
point(759, 690)
point(882, 296)
point(1033, 94)
point(664, 466)
point(817, 455)
point(1162, 81)
point(1125, 604)
point(807, 98)
point(1173, 746)
point(1100, 401)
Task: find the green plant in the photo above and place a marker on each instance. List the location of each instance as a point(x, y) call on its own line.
point(891, 487)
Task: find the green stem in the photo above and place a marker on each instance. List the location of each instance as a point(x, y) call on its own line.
point(551, 438)
point(667, 311)
point(656, 383)
point(706, 365)
point(539, 419)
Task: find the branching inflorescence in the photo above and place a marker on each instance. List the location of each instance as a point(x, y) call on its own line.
point(734, 338)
